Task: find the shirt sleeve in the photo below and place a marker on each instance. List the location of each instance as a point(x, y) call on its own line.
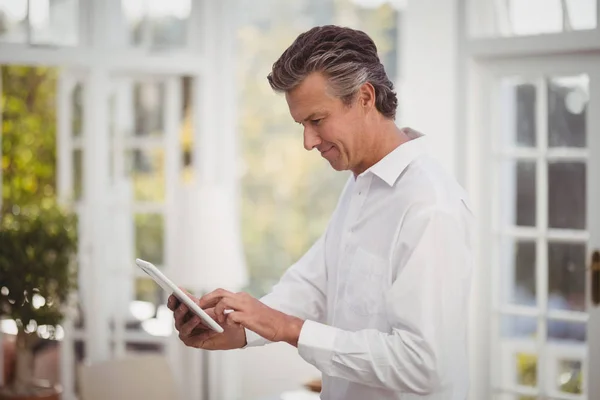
point(426, 307)
point(300, 292)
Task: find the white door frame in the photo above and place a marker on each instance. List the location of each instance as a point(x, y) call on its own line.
point(479, 122)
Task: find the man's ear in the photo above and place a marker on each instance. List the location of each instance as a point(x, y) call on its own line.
point(366, 96)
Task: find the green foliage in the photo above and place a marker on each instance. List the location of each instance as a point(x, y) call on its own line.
point(37, 238)
point(149, 236)
point(570, 374)
point(37, 248)
point(28, 135)
point(571, 377)
point(527, 369)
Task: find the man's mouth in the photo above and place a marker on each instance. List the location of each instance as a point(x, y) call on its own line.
point(324, 152)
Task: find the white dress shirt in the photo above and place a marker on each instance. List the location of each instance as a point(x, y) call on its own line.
point(385, 290)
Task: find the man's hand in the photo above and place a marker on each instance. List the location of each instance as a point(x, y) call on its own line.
point(194, 333)
point(250, 313)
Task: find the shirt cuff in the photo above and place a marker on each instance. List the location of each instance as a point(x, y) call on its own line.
point(316, 344)
point(254, 339)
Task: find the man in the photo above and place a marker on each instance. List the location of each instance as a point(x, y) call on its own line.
point(379, 303)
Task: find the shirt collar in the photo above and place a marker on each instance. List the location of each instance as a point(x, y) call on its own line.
point(395, 162)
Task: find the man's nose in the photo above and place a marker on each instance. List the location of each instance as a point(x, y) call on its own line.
point(311, 139)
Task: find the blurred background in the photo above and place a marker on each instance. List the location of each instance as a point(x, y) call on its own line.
point(152, 121)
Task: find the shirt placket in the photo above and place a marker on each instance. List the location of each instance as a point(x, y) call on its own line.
point(348, 233)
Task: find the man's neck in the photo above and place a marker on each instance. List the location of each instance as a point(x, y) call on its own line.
point(383, 140)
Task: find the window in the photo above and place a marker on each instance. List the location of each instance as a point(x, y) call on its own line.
point(108, 127)
point(40, 22)
point(142, 129)
point(490, 18)
point(540, 315)
point(288, 194)
point(157, 24)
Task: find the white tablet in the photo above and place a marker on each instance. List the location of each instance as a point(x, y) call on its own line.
point(170, 287)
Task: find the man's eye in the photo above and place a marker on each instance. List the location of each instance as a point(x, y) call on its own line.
point(316, 121)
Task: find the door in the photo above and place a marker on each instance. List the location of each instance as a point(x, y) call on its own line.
point(135, 148)
point(541, 178)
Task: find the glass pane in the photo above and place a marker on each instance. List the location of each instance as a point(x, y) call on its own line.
point(570, 377)
point(518, 273)
point(77, 106)
point(567, 195)
point(133, 10)
point(168, 23)
point(149, 108)
point(77, 174)
point(581, 14)
point(568, 99)
point(566, 276)
point(146, 169)
point(187, 130)
point(518, 193)
point(513, 327)
point(530, 17)
point(28, 161)
point(518, 103)
point(526, 368)
point(566, 331)
point(54, 22)
point(149, 238)
point(158, 24)
point(13, 21)
point(526, 193)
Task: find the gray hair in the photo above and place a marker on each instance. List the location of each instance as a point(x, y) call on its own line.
point(347, 57)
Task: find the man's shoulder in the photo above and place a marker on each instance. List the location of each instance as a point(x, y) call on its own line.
point(427, 184)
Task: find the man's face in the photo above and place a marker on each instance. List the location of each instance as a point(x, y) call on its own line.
point(330, 126)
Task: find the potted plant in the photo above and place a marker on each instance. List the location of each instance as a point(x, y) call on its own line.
point(37, 249)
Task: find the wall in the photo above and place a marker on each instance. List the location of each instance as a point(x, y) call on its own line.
point(429, 93)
